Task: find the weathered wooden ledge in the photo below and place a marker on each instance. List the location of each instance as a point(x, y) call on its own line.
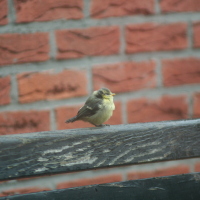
point(179, 187)
point(42, 153)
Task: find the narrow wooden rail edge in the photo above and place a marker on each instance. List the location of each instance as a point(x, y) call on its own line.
point(41, 153)
point(179, 187)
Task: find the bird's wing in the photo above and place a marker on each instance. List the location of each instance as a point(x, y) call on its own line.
point(90, 108)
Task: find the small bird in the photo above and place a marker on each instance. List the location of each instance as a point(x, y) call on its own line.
point(97, 109)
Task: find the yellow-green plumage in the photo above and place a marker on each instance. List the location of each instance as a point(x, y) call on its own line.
point(97, 109)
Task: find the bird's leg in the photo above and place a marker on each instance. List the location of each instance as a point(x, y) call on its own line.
point(94, 124)
point(102, 125)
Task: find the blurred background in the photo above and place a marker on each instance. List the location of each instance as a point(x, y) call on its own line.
point(53, 54)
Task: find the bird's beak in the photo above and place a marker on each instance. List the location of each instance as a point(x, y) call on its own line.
point(113, 94)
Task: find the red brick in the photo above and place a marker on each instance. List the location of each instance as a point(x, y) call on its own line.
point(179, 6)
point(46, 10)
point(3, 12)
point(64, 113)
point(22, 48)
point(180, 169)
point(24, 122)
point(23, 191)
point(5, 90)
point(196, 35)
point(155, 37)
point(91, 181)
point(181, 71)
point(124, 77)
point(165, 108)
point(47, 85)
point(197, 167)
point(113, 8)
point(196, 107)
point(95, 41)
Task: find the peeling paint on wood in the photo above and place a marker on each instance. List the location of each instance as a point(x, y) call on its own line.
point(53, 152)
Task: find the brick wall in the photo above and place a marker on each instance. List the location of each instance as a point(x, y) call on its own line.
point(54, 53)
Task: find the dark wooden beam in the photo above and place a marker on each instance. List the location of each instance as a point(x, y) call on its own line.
point(43, 153)
point(179, 187)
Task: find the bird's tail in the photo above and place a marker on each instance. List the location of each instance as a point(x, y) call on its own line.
point(73, 119)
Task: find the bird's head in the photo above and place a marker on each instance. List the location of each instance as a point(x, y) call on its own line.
point(104, 93)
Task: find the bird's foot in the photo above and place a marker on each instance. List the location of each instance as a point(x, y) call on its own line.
point(102, 125)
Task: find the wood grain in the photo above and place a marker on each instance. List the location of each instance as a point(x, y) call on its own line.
point(43, 153)
point(179, 187)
